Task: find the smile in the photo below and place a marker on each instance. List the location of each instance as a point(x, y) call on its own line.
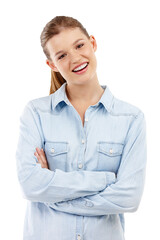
point(82, 68)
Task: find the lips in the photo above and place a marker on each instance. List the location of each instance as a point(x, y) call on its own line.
point(79, 65)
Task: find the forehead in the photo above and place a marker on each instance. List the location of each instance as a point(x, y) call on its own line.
point(64, 39)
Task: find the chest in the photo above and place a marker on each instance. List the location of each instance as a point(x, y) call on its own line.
point(96, 145)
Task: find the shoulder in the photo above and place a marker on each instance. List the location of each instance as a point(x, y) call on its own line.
point(129, 113)
point(123, 108)
point(42, 103)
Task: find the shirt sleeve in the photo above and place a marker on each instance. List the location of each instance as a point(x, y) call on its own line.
point(125, 193)
point(43, 185)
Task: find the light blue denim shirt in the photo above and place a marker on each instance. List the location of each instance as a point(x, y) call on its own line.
point(96, 171)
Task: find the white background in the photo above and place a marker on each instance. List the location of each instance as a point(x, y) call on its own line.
point(128, 55)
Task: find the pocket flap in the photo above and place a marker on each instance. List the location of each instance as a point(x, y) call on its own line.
point(56, 148)
point(110, 149)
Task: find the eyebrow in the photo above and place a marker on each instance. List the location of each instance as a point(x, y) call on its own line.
point(72, 44)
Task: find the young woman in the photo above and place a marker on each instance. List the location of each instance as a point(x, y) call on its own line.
point(81, 155)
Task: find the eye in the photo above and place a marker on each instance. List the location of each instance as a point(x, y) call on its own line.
point(80, 45)
point(62, 56)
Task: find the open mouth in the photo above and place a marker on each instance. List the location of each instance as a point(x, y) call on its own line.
point(80, 68)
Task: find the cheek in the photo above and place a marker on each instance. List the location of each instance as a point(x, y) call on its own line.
point(91, 54)
point(88, 52)
point(93, 58)
point(63, 66)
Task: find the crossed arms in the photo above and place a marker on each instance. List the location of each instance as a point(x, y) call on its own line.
point(87, 193)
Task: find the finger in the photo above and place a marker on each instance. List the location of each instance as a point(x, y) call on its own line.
point(38, 150)
point(41, 154)
point(38, 157)
point(42, 160)
point(36, 154)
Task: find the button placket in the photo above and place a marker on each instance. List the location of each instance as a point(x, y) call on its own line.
point(83, 141)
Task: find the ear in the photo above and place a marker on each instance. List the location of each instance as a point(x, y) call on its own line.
point(93, 42)
point(51, 65)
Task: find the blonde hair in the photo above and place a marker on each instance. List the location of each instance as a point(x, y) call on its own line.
point(52, 28)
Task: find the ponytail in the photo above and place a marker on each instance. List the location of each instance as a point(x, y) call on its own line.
point(56, 81)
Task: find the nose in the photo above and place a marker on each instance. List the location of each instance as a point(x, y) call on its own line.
point(75, 57)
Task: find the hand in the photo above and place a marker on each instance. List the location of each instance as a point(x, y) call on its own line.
point(41, 157)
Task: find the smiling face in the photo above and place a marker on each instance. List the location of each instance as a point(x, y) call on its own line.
point(71, 50)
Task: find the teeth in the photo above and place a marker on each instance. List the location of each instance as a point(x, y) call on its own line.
point(81, 67)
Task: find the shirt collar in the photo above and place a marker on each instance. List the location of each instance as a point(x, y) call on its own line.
point(61, 96)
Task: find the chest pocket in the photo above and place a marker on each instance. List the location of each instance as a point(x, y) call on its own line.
point(109, 156)
point(56, 153)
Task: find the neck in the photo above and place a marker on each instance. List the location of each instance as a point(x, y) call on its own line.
point(88, 93)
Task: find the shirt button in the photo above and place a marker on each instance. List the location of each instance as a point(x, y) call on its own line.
point(78, 237)
point(111, 151)
point(80, 165)
point(52, 150)
point(89, 204)
point(83, 141)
